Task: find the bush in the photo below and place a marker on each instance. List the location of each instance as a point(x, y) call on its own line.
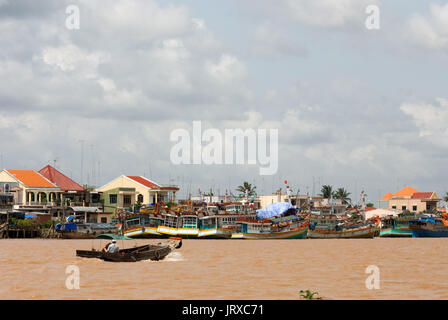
point(22, 223)
point(47, 224)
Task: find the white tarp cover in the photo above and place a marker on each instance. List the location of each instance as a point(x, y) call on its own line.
point(274, 209)
point(381, 213)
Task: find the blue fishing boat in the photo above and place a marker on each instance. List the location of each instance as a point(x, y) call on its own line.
point(429, 226)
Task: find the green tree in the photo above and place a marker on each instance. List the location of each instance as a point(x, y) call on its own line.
point(246, 186)
point(446, 197)
point(326, 191)
point(137, 206)
point(343, 195)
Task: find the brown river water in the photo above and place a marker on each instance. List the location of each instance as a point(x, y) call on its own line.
point(411, 268)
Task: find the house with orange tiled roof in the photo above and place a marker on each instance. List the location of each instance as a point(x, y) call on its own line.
point(31, 190)
point(124, 191)
point(410, 199)
point(80, 202)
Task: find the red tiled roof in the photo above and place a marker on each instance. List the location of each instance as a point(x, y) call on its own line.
point(31, 178)
point(143, 181)
point(422, 195)
point(370, 208)
point(61, 180)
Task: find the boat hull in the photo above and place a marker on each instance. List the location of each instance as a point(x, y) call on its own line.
point(395, 233)
point(214, 233)
point(422, 233)
point(147, 252)
point(293, 234)
point(363, 232)
point(182, 232)
point(78, 235)
point(146, 233)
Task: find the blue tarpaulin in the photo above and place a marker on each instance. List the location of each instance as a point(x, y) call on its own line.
point(65, 227)
point(29, 216)
point(274, 209)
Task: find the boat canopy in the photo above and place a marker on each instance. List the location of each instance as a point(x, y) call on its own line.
point(274, 209)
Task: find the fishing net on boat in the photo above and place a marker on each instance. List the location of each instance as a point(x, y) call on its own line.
point(273, 210)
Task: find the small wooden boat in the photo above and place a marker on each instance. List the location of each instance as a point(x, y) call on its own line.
point(146, 252)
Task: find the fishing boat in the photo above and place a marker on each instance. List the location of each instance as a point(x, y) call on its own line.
point(149, 252)
point(220, 220)
point(211, 227)
point(161, 222)
point(276, 221)
point(82, 230)
point(397, 227)
point(142, 225)
point(326, 225)
point(145, 252)
point(270, 229)
point(429, 226)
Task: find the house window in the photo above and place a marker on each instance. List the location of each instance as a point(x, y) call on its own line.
point(113, 198)
point(428, 207)
point(126, 200)
point(403, 207)
point(103, 220)
point(414, 208)
point(394, 207)
point(140, 198)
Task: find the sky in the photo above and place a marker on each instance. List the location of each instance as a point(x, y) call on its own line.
point(362, 109)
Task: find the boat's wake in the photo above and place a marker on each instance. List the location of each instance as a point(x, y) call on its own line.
point(174, 256)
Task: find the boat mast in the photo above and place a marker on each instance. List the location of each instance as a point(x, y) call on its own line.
point(363, 201)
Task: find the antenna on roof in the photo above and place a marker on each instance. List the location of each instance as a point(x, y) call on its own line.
point(82, 159)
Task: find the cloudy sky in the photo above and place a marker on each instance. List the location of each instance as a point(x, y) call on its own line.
point(355, 108)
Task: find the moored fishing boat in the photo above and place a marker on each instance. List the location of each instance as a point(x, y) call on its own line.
point(210, 227)
point(220, 220)
point(142, 225)
point(81, 230)
point(267, 229)
point(326, 225)
point(276, 221)
point(397, 226)
point(430, 226)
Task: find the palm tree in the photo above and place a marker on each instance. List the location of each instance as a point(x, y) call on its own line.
point(342, 194)
point(326, 191)
point(246, 186)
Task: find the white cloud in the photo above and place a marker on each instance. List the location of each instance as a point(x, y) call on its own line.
point(322, 14)
point(227, 69)
point(70, 58)
point(271, 42)
point(430, 31)
point(431, 120)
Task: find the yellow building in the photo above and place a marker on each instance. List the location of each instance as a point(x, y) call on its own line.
point(411, 200)
point(30, 188)
point(146, 191)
